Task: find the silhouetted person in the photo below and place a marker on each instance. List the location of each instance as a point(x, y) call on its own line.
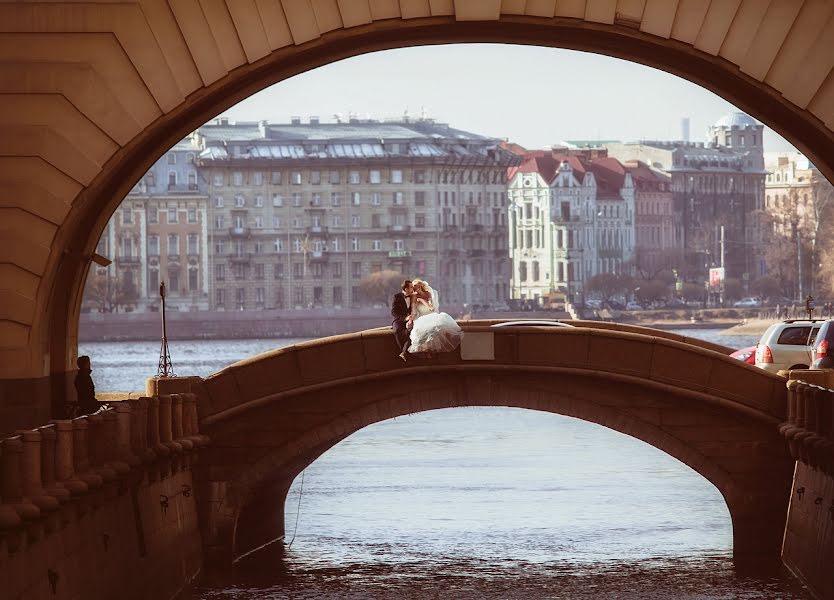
point(85, 389)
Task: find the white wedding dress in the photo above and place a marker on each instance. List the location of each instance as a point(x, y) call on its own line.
point(433, 331)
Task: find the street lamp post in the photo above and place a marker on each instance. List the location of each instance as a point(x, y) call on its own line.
point(165, 368)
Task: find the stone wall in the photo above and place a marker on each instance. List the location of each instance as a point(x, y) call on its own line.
point(102, 506)
point(808, 548)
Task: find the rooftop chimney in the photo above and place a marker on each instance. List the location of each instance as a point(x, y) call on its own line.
point(295, 120)
point(314, 120)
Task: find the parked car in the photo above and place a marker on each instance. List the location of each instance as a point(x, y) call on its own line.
point(779, 301)
point(823, 353)
point(633, 306)
point(748, 303)
point(787, 345)
point(747, 355)
point(676, 303)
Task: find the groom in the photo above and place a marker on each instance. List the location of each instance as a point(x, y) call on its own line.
point(401, 313)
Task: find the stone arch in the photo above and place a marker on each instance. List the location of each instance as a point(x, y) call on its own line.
point(94, 92)
point(275, 438)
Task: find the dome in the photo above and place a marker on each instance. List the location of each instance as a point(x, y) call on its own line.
point(736, 119)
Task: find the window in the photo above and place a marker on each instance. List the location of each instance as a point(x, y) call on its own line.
point(221, 298)
point(354, 244)
point(376, 198)
point(335, 177)
point(374, 176)
point(419, 176)
point(259, 222)
point(275, 178)
point(399, 245)
point(316, 201)
point(396, 176)
point(421, 244)
point(193, 244)
point(219, 247)
point(376, 245)
point(419, 220)
point(240, 201)
point(239, 271)
point(259, 271)
point(192, 280)
point(220, 272)
point(192, 180)
point(299, 296)
point(173, 244)
point(172, 158)
point(296, 245)
point(174, 280)
point(419, 198)
point(172, 215)
point(237, 178)
point(356, 269)
point(295, 178)
point(240, 222)
point(336, 245)
point(315, 177)
point(298, 271)
point(257, 178)
point(522, 271)
point(296, 223)
point(153, 215)
point(218, 179)
point(240, 298)
point(259, 201)
point(337, 295)
point(189, 158)
point(276, 222)
point(259, 247)
point(192, 215)
point(355, 221)
point(127, 216)
point(260, 295)
point(218, 202)
point(398, 197)
point(278, 271)
point(794, 336)
point(153, 282)
point(278, 245)
point(335, 198)
point(296, 199)
point(376, 222)
point(356, 198)
point(353, 177)
point(153, 245)
point(337, 270)
point(277, 200)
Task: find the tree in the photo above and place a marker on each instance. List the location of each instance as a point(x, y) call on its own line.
point(650, 263)
point(766, 286)
point(823, 211)
point(608, 285)
point(652, 290)
point(380, 286)
point(107, 293)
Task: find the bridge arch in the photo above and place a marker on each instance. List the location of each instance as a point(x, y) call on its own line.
point(95, 92)
point(710, 412)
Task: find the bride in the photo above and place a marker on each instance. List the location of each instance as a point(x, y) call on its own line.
point(432, 331)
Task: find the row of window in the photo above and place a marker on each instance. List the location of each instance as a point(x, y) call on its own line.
point(395, 221)
point(354, 177)
point(240, 248)
point(297, 199)
point(172, 215)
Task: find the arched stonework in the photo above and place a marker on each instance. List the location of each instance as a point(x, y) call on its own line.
point(271, 416)
point(94, 92)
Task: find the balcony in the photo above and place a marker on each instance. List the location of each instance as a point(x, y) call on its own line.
point(399, 229)
point(239, 232)
point(241, 257)
point(130, 259)
point(317, 256)
point(476, 253)
point(399, 254)
point(449, 229)
point(317, 230)
point(182, 188)
point(474, 228)
point(398, 208)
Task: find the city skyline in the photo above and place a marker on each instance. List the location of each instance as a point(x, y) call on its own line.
point(594, 108)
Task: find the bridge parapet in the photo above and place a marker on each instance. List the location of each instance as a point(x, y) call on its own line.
point(809, 428)
point(102, 481)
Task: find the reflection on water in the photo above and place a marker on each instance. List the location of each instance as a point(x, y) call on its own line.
point(478, 503)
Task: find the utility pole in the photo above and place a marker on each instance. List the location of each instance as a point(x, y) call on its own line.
point(721, 287)
point(799, 259)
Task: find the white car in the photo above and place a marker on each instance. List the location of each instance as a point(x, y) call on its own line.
point(787, 345)
point(748, 303)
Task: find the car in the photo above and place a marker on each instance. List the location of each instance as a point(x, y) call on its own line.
point(823, 352)
point(593, 303)
point(779, 301)
point(748, 303)
point(787, 345)
point(532, 323)
point(633, 306)
point(747, 355)
point(676, 303)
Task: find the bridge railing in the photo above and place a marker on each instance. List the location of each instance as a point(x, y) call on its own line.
point(62, 470)
point(809, 428)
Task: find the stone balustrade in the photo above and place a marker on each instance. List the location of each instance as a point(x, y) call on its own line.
point(809, 428)
point(60, 471)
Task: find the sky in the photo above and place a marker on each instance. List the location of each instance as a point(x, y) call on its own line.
point(530, 95)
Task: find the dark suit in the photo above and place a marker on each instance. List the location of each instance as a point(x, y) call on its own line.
point(400, 312)
point(85, 391)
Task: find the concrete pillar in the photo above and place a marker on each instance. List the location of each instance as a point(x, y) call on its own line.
point(11, 484)
point(65, 459)
point(166, 424)
point(48, 452)
point(31, 471)
point(110, 446)
point(177, 423)
point(81, 458)
point(125, 434)
point(139, 430)
point(95, 447)
point(154, 442)
point(9, 519)
point(193, 417)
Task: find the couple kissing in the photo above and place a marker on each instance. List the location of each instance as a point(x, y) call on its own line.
point(418, 326)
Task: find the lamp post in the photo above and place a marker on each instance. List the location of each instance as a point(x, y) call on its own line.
point(165, 368)
point(809, 306)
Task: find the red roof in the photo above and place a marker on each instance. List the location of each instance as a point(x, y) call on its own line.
point(643, 175)
point(610, 175)
point(536, 162)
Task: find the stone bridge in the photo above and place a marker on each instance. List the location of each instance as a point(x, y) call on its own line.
point(271, 416)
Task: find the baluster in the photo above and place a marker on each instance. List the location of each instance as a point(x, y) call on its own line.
point(65, 458)
point(9, 519)
point(12, 483)
point(48, 460)
point(178, 422)
point(126, 433)
point(31, 467)
point(81, 457)
point(110, 446)
point(154, 442)
point(166, 424)
point(95, 447)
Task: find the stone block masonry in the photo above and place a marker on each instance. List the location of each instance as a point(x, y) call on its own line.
point(102, 506)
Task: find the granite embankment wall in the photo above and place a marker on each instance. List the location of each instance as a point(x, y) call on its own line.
point(312, 323)
point(808, 548)
point(102, 506)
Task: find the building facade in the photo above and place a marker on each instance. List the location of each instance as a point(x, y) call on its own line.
point(303, 215)
point(571, 218)
point(159, 233)
point(714, 184)
point(657, 247)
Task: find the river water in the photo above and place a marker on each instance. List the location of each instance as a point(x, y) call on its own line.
point(478, 503)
